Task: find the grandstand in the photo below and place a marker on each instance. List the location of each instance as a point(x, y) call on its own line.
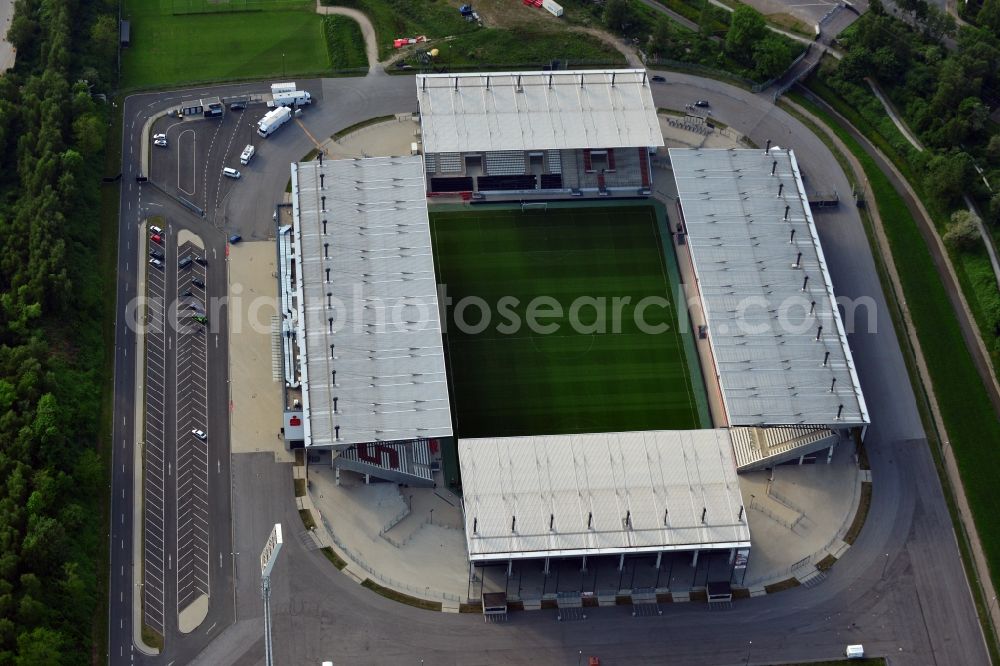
point(363, 352)
point(572, 133)
point(782, 361)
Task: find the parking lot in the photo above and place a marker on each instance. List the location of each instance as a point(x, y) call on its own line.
point(197, 150)
point(192, 426)
point(154, 461)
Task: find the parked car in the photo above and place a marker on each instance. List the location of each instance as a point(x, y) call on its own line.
point(156, 254)
point(703, 103)
point(233, 240)
point(162, 143)
point(160, 136)
point(658, 79)
point(201, 319)
point(198, 282)
point(156, 262)
point(200, 434)
point(184, 263)
point(187, 292)
point(155, 229)
point(230, 172)
point(156, 238)
point(201, 260)
point(237, 106)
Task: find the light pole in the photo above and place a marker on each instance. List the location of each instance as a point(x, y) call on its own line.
point(282, 65)
point(267, 558)
point(749, 645)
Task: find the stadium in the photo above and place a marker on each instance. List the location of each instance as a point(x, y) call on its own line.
point(513, 311)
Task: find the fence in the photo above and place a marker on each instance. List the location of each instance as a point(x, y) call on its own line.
point(388, 581)
point(403, 513)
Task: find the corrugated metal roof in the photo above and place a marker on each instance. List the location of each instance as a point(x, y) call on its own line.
point(606, 493)
point(377, 370)
point(766, 291)
point(537, 111)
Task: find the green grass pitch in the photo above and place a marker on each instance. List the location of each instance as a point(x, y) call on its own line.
point(185, 41)
point(508, 382)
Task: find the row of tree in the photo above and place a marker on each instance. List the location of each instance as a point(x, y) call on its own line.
point(739, 43)
point(52, 476)
point(946, 83)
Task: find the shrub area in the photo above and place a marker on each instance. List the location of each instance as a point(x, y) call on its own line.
point(345, 44)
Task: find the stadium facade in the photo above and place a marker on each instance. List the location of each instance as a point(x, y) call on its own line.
point(584, 133)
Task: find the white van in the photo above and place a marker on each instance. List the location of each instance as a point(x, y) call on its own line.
point(247, 155)
point(855, 652)
point(230, 172)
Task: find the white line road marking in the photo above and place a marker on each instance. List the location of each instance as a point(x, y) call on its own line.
point(170, 561)
point(220, 472)
point(220, 559)
point(123, 519)
point(169, 468)
point(212, 627)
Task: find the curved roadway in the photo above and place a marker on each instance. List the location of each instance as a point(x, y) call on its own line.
point(901, 590)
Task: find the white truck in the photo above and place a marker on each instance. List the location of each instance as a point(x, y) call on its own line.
point(283, 87)
point(552, 7)
point(292, 98)
point(247, 154)
point(273, 120)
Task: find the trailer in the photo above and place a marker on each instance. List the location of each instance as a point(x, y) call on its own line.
point(552, 7)
point(283, 87)
point(273, 120)
point(292, 98)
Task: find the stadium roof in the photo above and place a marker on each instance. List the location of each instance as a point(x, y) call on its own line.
point(600, 494)
point(759, 276)
point(537, 111)
point(376, 372)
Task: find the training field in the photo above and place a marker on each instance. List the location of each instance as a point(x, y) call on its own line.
point(510, 380)
point(185, 41)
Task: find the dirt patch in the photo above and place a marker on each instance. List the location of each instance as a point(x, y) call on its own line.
point(826, 563)
point(786, 584)
point(859, 518)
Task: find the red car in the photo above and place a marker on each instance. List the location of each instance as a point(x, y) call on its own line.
point(156, 238)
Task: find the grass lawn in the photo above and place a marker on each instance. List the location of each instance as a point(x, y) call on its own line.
point(582, 376)
point(344, 42)
point(170, 49)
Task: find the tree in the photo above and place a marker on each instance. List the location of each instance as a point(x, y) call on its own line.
point(662, 37)
point(962, 233)
point(745, 30)
point(771, 57)
point(104, 37)
point(938, 24)
point(947, 176)
point(989, 15)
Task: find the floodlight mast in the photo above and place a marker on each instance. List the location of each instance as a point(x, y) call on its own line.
point(267, 558)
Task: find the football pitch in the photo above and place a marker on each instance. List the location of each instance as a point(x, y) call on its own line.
point(582, 332)
point(185, 41)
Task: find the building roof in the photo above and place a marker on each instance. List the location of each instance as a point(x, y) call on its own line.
point(375, 372)
point(537, 111)
point(600, 494)
point(759, 276)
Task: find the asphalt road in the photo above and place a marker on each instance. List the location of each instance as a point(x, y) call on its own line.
point(900, 590)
